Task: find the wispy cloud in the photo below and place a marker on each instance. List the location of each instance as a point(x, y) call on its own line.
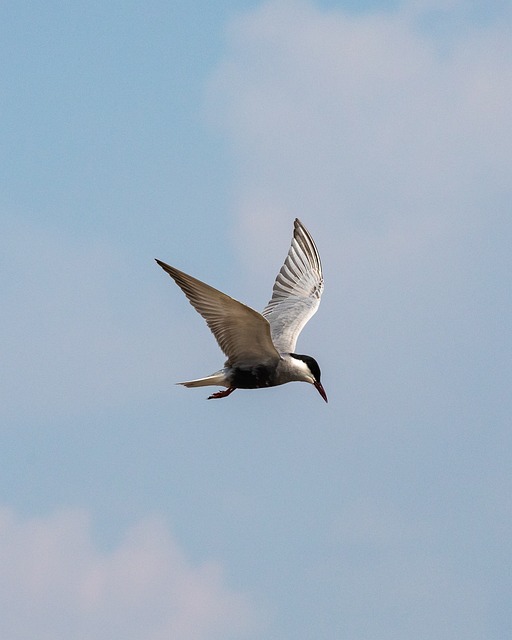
point(372, 122)
point(55, 583)
point(391, 140)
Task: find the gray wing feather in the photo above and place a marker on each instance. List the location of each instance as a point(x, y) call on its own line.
point(242, 333)
point(297, 291)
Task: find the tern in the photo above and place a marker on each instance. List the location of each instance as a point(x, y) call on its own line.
point(260, 347)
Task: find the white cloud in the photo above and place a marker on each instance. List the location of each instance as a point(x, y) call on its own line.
point(55, 584)
point(372, 123)
point(391, 140)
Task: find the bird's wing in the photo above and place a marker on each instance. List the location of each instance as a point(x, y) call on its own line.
point(297, 291)
point(242, 333)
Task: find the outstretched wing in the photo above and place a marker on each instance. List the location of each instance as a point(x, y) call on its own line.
point(242, 333)
point(297, 291)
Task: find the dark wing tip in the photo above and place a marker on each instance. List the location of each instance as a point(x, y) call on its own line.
point(165, 266)
point(305, 240)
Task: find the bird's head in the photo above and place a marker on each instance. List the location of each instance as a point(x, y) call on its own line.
point(310, 372)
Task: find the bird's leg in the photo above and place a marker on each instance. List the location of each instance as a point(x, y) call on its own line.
point(222, 394)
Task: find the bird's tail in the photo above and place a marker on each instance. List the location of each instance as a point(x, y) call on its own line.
point(216, 379)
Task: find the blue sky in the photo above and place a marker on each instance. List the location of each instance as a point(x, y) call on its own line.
point(195, 133)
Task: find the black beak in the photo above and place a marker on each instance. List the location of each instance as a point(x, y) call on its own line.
point(321, 390)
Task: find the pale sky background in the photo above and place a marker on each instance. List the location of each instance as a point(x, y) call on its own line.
point(195, 132)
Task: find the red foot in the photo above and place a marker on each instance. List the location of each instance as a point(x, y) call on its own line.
point(222, 394)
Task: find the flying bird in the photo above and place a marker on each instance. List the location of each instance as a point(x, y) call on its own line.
point(260, 347)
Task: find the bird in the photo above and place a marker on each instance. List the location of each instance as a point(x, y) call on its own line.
point(260, 347)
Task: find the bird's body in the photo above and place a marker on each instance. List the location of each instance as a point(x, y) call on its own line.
point(260, 346)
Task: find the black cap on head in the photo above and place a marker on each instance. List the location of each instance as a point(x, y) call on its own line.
point(315, 370)
point(312, 364)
